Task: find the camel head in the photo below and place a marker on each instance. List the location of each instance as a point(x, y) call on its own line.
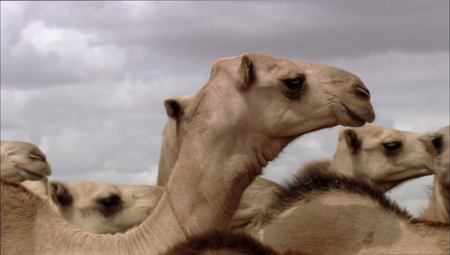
point(23, 161)
point(385, 157)
point(102, 208)
point(271, 101)
point(442, 162)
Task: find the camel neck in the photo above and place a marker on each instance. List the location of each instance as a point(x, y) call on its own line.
point(438, 206)
point(210, 176)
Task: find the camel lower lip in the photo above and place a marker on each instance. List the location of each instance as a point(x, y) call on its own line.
point(33, 176)
point(412, 174)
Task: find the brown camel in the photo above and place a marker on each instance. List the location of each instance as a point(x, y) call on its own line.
point(252, 107)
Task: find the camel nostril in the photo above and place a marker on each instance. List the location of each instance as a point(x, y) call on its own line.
point(437, 142)
point(362, 92)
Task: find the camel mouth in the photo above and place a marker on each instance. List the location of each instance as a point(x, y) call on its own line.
point(409, 174)
point(354, 118)
point(32, 176)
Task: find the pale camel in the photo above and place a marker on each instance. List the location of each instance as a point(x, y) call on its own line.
point(438, 207)
point(323, 212)
point(23, 161)
point(251, 108)
point(384, 157)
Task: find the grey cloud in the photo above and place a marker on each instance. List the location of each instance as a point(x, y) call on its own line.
point(204, 31)
point(42, 69)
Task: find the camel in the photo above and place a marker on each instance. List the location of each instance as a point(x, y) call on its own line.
point(323, 212)
point(384, 157)
point(438, 207)
point(252, 106)
point(23, 161)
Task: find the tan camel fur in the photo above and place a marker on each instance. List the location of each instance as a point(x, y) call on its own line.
point(103, 208)
point(251, 108)
point(323, 212)
point(42, 188)
point(384, 157)
point(256, 197)
point(23, 161)
point(438, 207)
point(93, 207)
point(221, 242)
point(224, 243)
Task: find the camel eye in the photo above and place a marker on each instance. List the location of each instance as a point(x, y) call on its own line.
point(294, 84)
point(111, 201)
point(392, 146)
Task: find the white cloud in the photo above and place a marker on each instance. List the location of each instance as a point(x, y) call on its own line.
point(59, 56)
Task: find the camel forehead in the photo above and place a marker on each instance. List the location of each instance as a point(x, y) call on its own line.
point(92, 190)
point(19, 145)
point(260, 61)
point(379, 133)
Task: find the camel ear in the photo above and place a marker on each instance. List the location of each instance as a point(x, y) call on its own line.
point(246, 72)
point(173, 108)
point(60, 193)
point(352, 140)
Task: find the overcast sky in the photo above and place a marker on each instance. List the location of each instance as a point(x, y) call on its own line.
point(86, 81)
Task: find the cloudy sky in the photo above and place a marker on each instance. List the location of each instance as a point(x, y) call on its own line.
point(86, 81)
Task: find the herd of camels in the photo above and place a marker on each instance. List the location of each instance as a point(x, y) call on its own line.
point(209, 198)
